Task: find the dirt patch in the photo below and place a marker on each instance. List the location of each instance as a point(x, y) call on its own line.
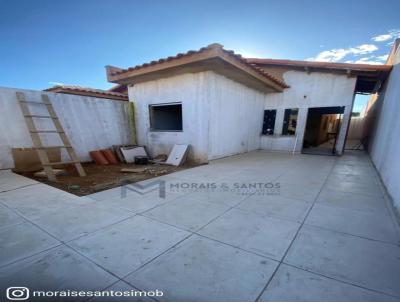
point(100, 178)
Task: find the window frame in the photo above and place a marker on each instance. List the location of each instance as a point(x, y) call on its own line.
point(284, 118)
point(264, 120)
point(151, 116)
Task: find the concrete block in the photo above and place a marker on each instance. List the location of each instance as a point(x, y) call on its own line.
point(187, 213)
point(359, 223)
point(40, 200)
point(294, 285)
point(266, 236)
point(369, 189)
point(352, 201)
point(301, 192)
point(367, 263)
point(11, 181)
point(200, 269)
point(276, 206)
point(126, 246)
point(8, 217)
point(23, 240)
point(217, 196)
point(56, 270)
point(81, 220)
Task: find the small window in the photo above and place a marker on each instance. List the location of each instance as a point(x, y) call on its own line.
point(166, 117)
point(290, 121)
point(269, 122)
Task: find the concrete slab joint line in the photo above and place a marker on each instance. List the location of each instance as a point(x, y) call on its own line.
point(205, 246)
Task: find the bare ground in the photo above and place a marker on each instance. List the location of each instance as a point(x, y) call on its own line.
point(100, 178)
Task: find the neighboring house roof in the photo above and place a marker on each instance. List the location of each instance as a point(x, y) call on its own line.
point(119, 88)
point(86, 91)
point(320, 65)
point(369, 77)
point(213, 57)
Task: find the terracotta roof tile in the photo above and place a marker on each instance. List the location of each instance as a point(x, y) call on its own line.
point(194, 52)
point(86, 91)
point(316, 64)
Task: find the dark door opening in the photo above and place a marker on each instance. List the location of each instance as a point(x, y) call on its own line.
point(322, 130)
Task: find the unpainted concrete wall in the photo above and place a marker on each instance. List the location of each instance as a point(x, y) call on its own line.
point(220, 116)
point(356, 129)
point(384, 139)
point(236, 117)
point(315, 89)
point(90, 123)
point(189, 89)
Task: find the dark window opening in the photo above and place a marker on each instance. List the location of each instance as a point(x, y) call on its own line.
point(290, 121)
point(269, 122)
point(166, 117)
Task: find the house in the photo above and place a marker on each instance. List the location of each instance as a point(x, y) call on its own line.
point(223, 104)
point(118, 92)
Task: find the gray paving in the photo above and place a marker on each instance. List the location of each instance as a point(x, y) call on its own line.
point(138, 239)
point(352, 259)
point(325, 231)
point(204, 270)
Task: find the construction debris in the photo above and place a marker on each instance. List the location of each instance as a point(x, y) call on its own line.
point(141, 160)
point(98, 157)
point(27, 159)
point(159, 158)
point(57, 172)
point(133, 170)
point(129, 153)
point(178, 155)
point(110, 156)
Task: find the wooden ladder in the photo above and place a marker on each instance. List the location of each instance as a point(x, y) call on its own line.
point(37, 141)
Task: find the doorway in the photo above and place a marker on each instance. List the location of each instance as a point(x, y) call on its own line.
point(322, 130)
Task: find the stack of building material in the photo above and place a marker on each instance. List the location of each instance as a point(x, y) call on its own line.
point(103, 157)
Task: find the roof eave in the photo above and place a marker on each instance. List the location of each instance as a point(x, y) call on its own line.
point(214, 51)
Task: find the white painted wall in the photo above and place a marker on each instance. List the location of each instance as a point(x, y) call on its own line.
point(236, 116)
point(189, 89)
point(90, 123)
point(220, 117)
point(384, 146)
point(356, 128)
point(315, 89)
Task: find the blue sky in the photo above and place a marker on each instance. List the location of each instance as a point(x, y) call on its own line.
point(71, 41)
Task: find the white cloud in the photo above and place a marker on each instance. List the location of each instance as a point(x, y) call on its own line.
point(382, 58)
point(363, 49)
point(363, 54)
point(391, 35)
point(335, 55)
point(56, 83)
point(374, 60)
point(382, 38)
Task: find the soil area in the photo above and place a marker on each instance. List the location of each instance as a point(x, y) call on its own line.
point(100, 178)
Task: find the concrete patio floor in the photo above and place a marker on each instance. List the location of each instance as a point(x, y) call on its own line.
point(325, 232)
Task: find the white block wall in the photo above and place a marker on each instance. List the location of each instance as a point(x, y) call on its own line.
point(222, 117)
point(90, 123)
point(384, 147)
point(236, 117)
point(315, 89)
point(189, 89)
